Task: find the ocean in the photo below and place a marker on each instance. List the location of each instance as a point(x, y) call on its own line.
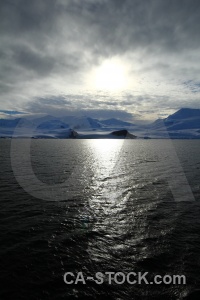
point(88, 206)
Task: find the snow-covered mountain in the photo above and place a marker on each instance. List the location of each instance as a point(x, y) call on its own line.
point(12, 123)
point(52, 125)
point(62, 127)
point(185, 123)
point(82, 123)
point(185, 118)
point(185, 113)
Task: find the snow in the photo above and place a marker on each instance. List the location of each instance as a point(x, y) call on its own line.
point(185, 123)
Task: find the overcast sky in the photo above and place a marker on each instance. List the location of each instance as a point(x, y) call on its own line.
point(118, 58)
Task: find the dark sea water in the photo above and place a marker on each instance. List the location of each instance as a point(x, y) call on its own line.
point(99, 206)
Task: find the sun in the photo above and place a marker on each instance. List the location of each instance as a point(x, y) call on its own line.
point(110, 75)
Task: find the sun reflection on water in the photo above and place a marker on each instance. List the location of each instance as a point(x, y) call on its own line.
point(106, 146)
point(105, 166)
point(106, 155)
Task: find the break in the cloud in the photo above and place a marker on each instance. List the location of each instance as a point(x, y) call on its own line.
point(100, 56)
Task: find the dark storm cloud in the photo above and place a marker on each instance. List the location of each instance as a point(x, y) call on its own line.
point(27, 16)
point(50, 45)
point(29, 59)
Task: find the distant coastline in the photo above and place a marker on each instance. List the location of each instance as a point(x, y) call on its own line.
point(183, 124)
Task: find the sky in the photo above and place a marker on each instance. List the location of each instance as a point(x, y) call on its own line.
point(129, 59)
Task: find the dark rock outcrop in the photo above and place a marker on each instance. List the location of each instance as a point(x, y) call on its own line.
point(124, 134)
point(73, 134)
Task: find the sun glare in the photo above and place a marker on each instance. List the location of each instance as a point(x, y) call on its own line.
point(110, 75)
point(106, 153)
